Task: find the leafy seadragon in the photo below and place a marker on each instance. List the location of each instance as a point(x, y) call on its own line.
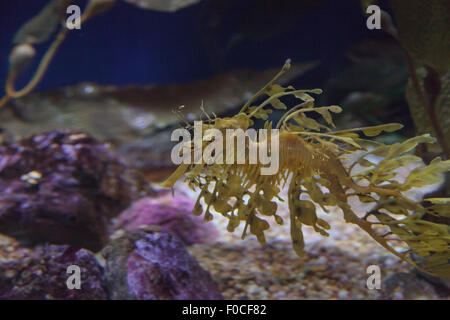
point(318, 161)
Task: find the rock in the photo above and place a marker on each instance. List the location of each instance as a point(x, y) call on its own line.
point(441, 286)
point(343, 294)
point(42, 273)
point(172, 214)
point(62, 187)
point(406, 286)
point(152, 264)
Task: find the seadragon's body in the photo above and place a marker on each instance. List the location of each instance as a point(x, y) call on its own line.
point(311, 161)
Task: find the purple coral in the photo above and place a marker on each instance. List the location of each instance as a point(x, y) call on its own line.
point(155, 265)
point(42, 273)
point(172, 214)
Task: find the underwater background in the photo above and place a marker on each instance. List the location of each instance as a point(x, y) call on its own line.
point(83, 154)
point(129, 45)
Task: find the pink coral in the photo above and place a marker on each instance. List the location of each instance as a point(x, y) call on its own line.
point(172, 214)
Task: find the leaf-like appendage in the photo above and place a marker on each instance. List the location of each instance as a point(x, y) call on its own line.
point(311, 156)
point(39, 28)
point(423, 31)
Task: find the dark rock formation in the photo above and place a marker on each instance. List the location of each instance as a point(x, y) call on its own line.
point(42, 273)
point(406, 286)
point(62, 187)
point(154, 265)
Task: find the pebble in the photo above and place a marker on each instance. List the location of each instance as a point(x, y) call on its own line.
point(343, 294)
point(398, 295)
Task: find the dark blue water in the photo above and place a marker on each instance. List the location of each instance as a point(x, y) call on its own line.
point(130, 45)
